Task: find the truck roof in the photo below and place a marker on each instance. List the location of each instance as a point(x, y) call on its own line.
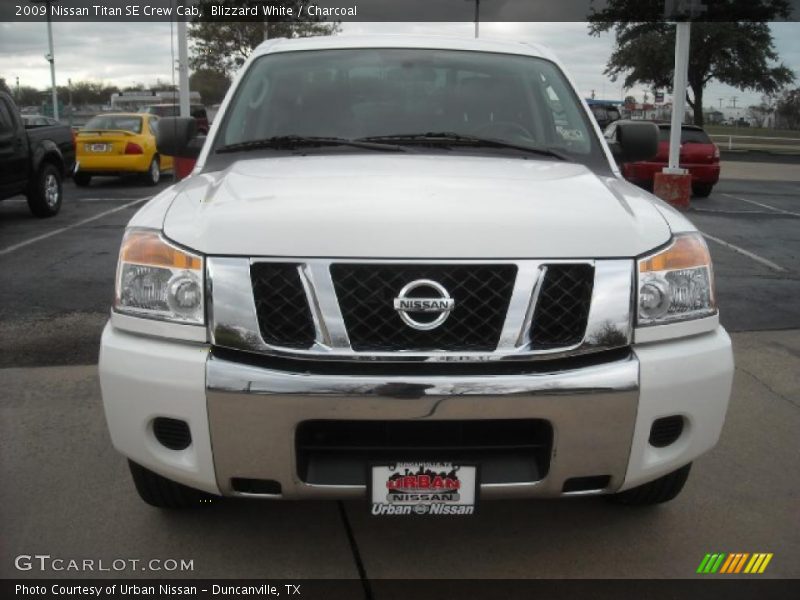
point(403, 41)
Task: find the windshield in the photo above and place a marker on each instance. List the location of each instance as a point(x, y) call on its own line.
point(163, 111)
point(688, 135)
point(368, 93)
point(118, 122)
point(173, 110)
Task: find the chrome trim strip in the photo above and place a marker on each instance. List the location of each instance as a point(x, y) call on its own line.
point(233, 322)
point(528, 277)
point(524, 337)
point(329, 305)
point(233, 377)
point(610, 323)
point(320, 329)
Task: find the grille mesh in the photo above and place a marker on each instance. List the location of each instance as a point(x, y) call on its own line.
point(172, 433)
point(284, 317)
point(665, 431)
point(562, 310)
point(366, 293)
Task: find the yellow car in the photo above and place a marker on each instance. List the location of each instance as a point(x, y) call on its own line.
point(119, 143)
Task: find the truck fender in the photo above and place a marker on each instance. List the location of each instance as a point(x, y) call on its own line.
point(47, 150)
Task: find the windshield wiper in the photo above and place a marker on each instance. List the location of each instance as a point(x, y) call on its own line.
point(290, 142)
point(447, 138)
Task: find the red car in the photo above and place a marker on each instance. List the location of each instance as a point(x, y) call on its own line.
point(698, 154)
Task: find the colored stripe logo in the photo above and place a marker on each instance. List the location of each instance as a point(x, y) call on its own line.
point(736, 562)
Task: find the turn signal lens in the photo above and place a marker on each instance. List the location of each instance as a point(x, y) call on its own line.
point(157, 280)
point(677, 284)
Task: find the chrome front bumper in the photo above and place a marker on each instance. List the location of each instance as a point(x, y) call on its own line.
point(253, 413)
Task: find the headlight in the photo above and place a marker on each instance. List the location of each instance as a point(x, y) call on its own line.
point(158, 280)
point(676, 284)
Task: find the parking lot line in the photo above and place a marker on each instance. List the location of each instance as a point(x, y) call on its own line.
point(747, 253)
point(49, 234)
point(761, 204)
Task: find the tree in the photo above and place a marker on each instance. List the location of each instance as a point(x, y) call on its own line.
point(788, 109)
point(211, 85)
point(224, 45)
point(765, 109)
point(28, 96)
point(738, 53)
point(91, 92)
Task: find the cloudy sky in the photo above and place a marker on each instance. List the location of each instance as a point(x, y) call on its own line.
point(126, 53)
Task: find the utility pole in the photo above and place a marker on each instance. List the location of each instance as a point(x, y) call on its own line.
point(477, 17)
point(50, 56)
point(683, 34)
point(71, 109)
point(673, 183)
point(733, 100)
point(183, 69)
point(17, 98)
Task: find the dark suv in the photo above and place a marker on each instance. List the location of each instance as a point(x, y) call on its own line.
point(605, 114)
point(198, 111)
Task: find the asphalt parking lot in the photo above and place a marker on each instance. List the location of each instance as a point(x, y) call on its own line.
point(71, 495)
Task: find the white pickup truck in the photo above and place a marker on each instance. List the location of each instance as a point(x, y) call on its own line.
point(408, 269)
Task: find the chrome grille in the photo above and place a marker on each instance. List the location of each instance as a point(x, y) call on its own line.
point(366, 292)
point(518, 309)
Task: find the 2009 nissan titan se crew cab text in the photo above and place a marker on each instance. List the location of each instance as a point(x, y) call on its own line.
point(409, 268)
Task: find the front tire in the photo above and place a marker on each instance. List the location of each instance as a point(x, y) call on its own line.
point(153, 175)
point(661, 490)
point(161, 492)
point(45, 194)
point(702, 190)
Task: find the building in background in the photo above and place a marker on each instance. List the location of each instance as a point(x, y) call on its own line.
point(136, 100)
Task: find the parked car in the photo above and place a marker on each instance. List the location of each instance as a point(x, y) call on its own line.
point(604, 114)
point(410, 255)
point(119, 144)
point(197, 111)
point(33, 160)
point(698, 154)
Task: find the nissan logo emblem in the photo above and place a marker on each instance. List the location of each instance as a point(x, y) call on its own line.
point(440, 303)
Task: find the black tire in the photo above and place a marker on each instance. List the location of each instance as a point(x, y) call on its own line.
point(45, 193)
point(153, 174)
point(661, 490)
point(702, 190)
point(161, 492)
point(82, 179)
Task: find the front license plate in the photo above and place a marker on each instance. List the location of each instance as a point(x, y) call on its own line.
point(423, 488)
point(97, 147)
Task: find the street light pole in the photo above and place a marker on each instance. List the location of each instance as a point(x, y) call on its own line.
point(674, 184)
point(183, 69)
point(683, 33)
point(51, 57)
point(477, 17)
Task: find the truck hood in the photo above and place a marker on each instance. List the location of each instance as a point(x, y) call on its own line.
point(413, 206)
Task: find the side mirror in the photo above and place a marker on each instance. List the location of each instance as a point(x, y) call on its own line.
point(634, 141)
point(178, 137)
